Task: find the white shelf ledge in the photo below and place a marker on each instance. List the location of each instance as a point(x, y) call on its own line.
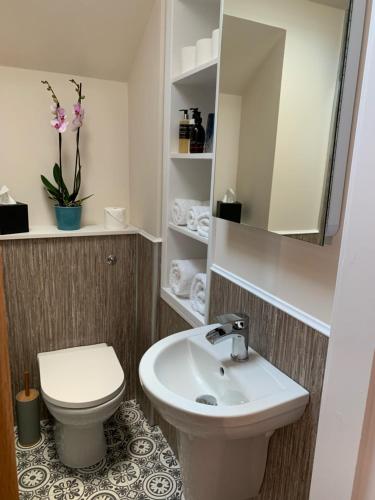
point(205, 74)
point(191, 156)
point(188, 232)
point(53, 232)
point(182, 307)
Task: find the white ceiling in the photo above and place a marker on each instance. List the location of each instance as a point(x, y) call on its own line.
point(92, 38)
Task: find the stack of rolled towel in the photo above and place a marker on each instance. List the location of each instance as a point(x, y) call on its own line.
point(198, 293)
point(187, 279)
point(194, 214)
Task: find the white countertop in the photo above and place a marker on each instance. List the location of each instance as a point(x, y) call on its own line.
point(94, 230)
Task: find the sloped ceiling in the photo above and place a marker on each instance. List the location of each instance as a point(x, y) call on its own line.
point(245, 46)
point(80, 37)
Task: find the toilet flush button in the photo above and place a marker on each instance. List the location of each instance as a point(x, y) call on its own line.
point(111, 260)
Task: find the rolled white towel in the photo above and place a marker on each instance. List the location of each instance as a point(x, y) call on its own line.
point(198, 293)
point(180, 210)
point(194, 213)
point(182, 273)
point(204, 224)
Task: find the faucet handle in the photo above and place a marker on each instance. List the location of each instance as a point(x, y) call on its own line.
point(238, 321)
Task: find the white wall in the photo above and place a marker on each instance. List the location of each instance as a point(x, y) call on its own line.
point(364, 483)
point(228, 138)
point(146, 124)
point(29, 145)
point(299, 273)
point(260, 110)
point(349, 379)
point(311, 63)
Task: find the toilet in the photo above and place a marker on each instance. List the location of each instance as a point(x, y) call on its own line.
point(82, 387)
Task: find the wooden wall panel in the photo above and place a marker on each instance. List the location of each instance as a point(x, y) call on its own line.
point(8, 473)
point(300, 352)
point(169, 322)
point(148, 285)
point(62, 293)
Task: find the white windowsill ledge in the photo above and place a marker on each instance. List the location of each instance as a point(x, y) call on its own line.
point(92, 230)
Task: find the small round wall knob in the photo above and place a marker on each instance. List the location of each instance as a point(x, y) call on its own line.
point(111, 260)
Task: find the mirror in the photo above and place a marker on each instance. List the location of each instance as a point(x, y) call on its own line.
point(280, 88)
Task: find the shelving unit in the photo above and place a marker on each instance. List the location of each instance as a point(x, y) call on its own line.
point(188, 232)
point(186, 175)
point(188, 156)
point(183, 307)
point(205, 74)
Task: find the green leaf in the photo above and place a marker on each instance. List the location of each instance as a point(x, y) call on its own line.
point(50, 187)
point(79, 202)
point(53, 192)
point(59, 180)
point(74, 195)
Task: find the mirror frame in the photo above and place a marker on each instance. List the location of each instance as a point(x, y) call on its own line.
point(352, 58)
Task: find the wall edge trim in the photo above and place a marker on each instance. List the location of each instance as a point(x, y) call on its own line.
point(293, 311)
point(148, 236)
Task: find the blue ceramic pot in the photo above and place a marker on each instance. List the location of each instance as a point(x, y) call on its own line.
point(68, 218)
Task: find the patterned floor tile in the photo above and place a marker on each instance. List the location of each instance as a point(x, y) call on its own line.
point(139, 465)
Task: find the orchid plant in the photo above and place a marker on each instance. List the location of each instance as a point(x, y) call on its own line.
point(59, 122)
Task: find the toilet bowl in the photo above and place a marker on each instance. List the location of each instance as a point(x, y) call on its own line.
point(82, 387)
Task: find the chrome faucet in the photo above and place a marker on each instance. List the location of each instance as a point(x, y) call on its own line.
point(234, 326)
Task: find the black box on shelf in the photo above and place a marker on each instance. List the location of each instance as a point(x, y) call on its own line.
point(14, 218)
point(229, 211)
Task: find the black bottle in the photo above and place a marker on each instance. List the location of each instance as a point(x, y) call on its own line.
point(198, 135)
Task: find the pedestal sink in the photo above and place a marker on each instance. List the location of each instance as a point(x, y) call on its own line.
point(224, 411)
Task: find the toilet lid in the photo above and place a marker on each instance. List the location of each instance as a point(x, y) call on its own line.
point(81, 377)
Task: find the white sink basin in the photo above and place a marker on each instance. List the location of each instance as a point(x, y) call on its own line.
point(253, 399)
point(177, 370)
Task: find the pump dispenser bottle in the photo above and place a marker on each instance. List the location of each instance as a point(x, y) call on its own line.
point(184, 132)
point(198, 135)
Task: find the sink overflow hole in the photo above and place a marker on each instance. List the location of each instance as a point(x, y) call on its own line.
point(221, 370)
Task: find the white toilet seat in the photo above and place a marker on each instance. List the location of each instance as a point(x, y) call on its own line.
point(64, 405)
point(80, 377)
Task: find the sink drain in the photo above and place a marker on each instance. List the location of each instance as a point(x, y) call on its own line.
point(207, 399)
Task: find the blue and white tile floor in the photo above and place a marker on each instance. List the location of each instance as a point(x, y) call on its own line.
point(139, 465)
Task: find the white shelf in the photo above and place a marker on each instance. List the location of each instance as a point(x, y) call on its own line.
point(191, 156)
point(187, 232)
point(92, 230)
point(183, 307)
point(205, 74)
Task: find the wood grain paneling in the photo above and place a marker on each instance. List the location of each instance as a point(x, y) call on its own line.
point(169, 322)
point(61, 293)
point(300, 352)
point(8, 473)
point(148, 284)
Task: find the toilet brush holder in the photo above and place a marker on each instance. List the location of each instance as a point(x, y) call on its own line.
point(28, 414)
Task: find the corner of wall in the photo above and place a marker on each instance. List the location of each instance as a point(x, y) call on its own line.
point(146, 121)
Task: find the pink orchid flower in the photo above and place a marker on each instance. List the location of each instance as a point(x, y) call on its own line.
point(60, 122)
point(78, 114)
